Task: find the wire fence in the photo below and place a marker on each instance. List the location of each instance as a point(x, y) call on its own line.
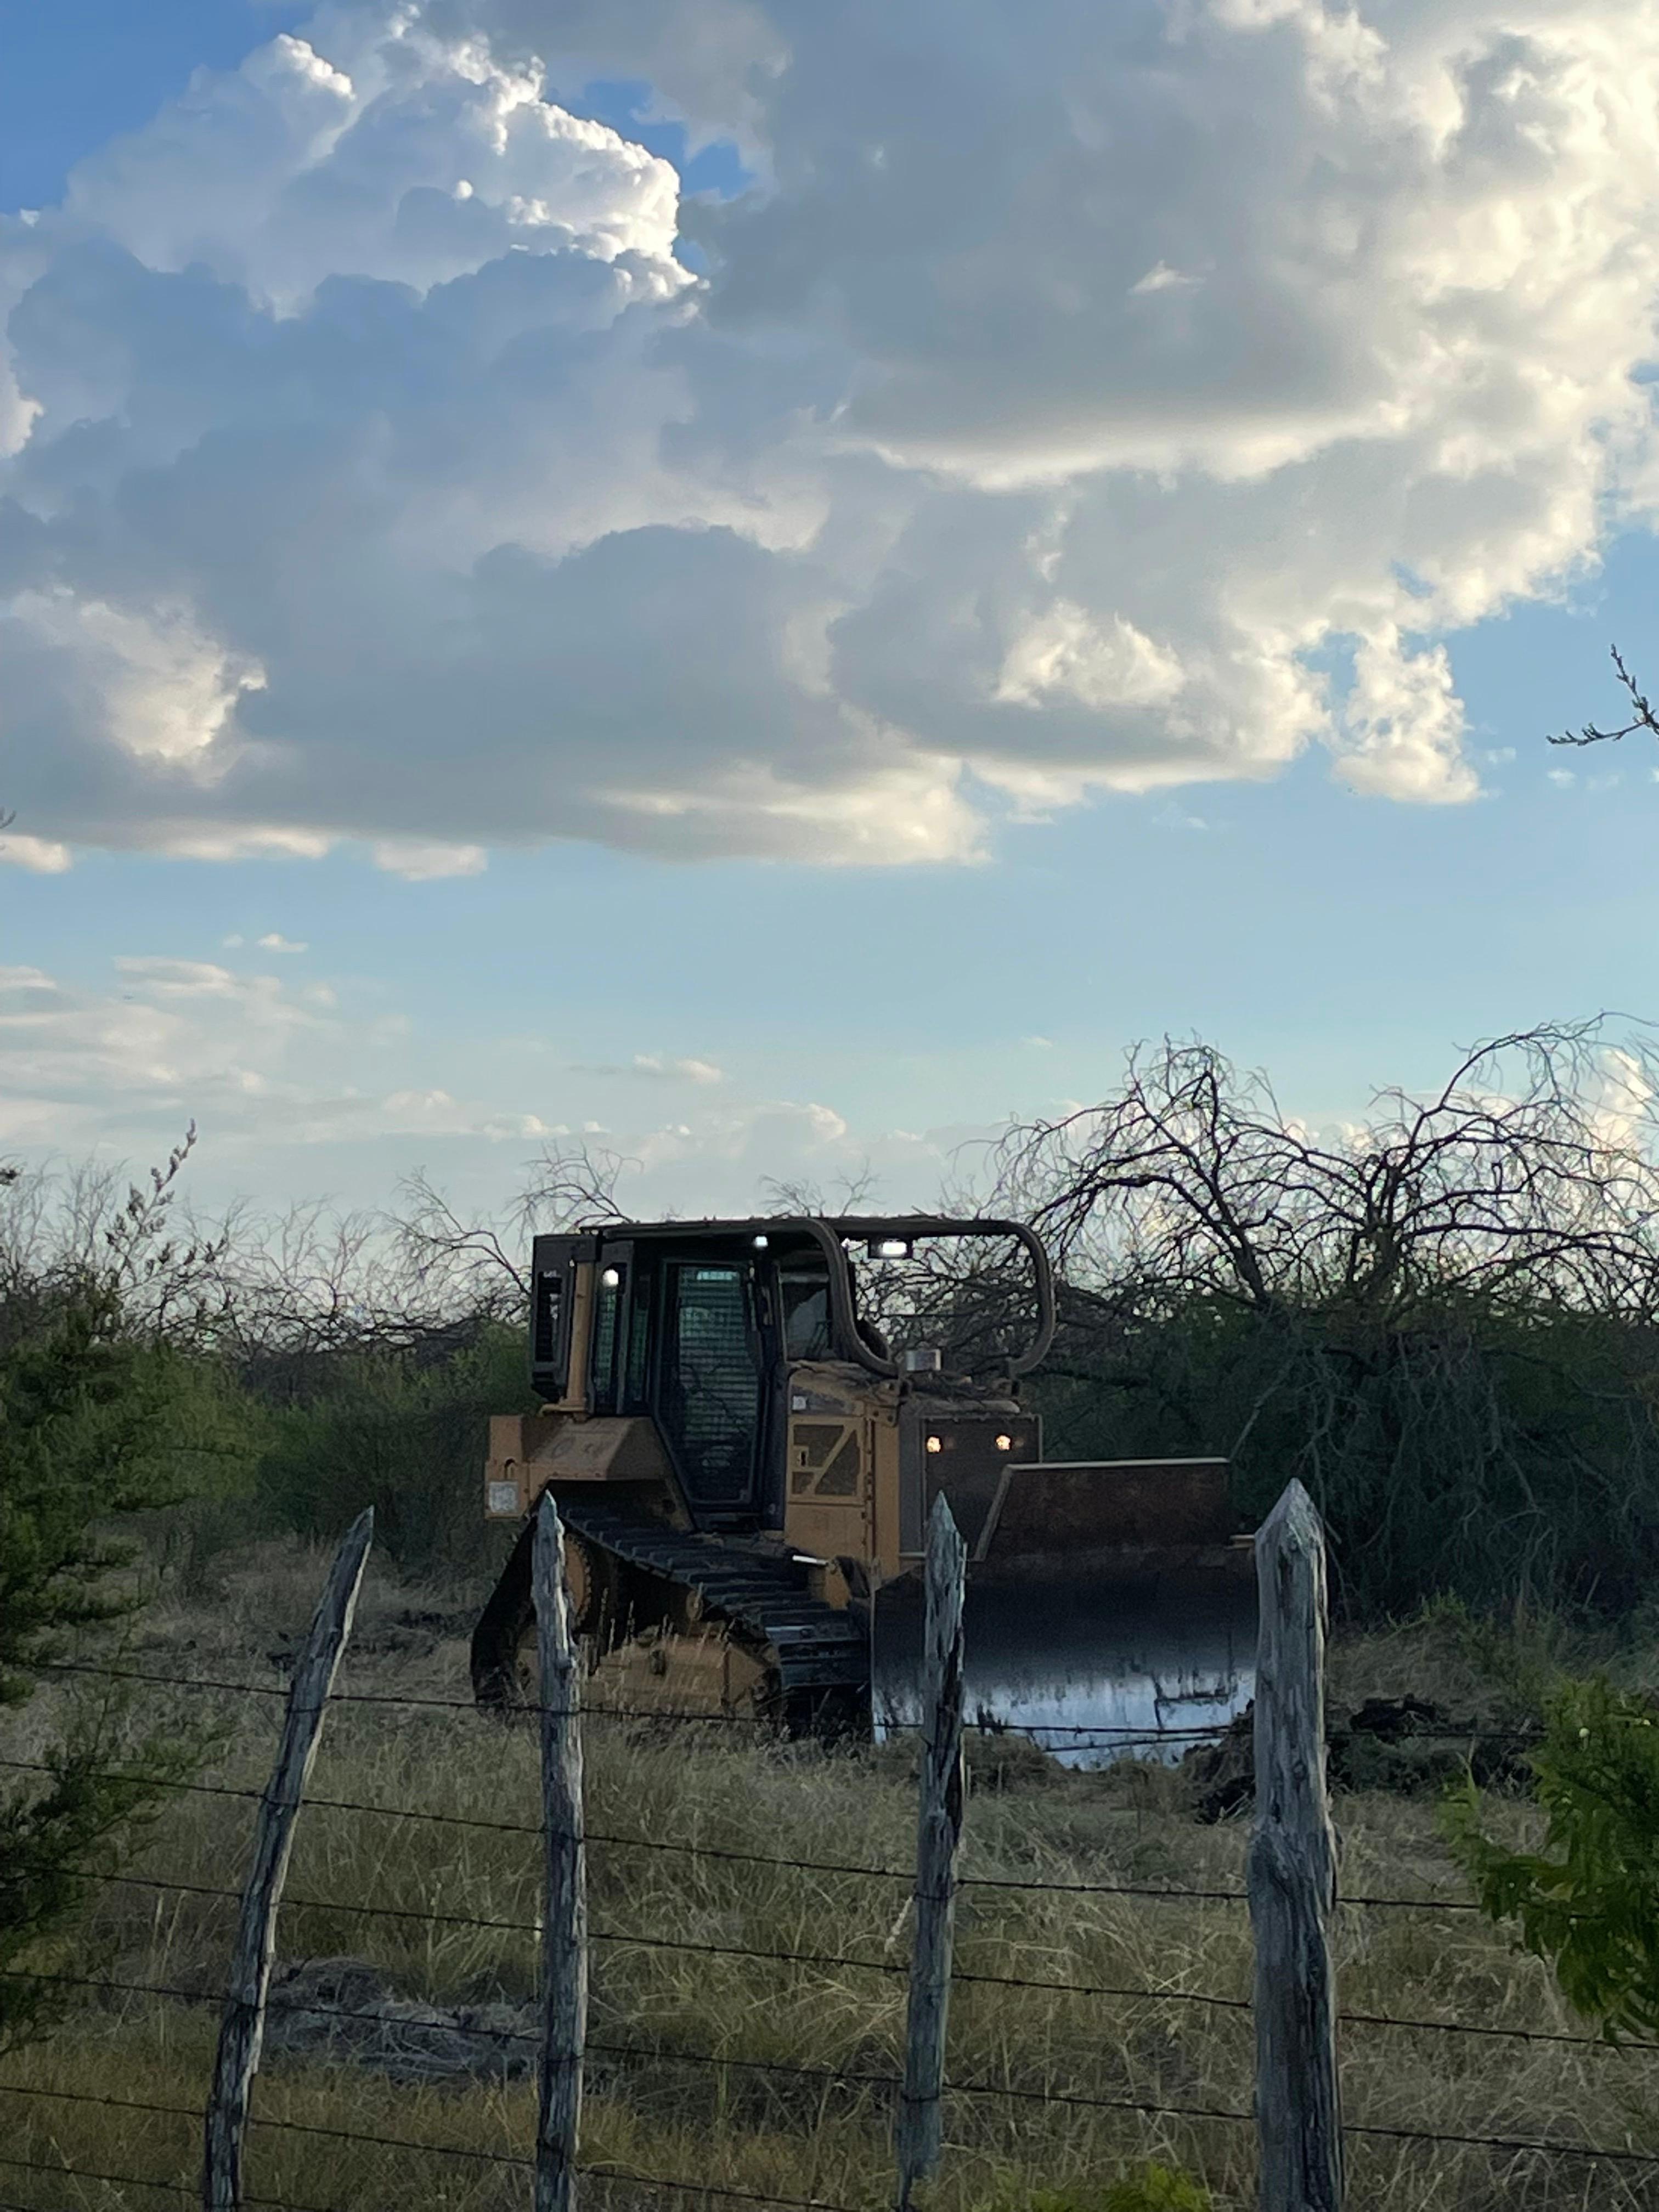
point(18, 2094)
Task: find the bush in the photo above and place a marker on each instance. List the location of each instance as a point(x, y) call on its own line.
point(1589, 1901)
point(102, 1422)
point(402, 1431)
point(1151, 2188)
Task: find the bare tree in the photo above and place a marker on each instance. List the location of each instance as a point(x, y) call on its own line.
point(143, 1255)
point(1443, 1319)
point(1525, 1177)
point(797, 1195)
point(483, 1263)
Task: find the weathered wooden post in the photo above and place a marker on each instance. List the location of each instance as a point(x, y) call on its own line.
point(242, 2028)
point(939, 1836)
point(1291, 1873)
point(564, 1932)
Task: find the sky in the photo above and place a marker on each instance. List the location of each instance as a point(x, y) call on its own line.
point(767, 588)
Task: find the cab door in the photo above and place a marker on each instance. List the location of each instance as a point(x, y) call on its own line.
point(709, 1384)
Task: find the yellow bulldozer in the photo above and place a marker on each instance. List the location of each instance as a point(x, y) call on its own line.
point(745, 1431)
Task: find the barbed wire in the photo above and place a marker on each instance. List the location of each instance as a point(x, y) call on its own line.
point(623, 1937)
point(634, 2053)
point(1080, 1736)
point(140, 2181)
point(1552, 2146)
point(1035, 1885)
point(282, 2000)
point(595, 2171)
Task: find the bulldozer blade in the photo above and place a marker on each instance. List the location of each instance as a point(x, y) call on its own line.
point(1093, 1668)
point(1109, 1612)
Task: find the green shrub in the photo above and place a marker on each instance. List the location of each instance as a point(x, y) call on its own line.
point(101, 1425)
point(1589, 1901)
point(1151, 2188)
point(386, 1427)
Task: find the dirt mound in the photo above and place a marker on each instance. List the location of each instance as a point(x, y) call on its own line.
point(1402, 1745)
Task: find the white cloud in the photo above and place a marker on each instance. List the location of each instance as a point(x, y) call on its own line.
point(415, 161)
point(682, 1071)
point(290, 1090)
point(377, 472)
point(41, 856)
point(1403, 724)
point(426, 860)
point(274, 941)
point(1160, 278)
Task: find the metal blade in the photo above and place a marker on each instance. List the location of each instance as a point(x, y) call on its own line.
point(1094, 1666)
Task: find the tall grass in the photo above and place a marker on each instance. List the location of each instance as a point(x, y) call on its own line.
point(672, 2114)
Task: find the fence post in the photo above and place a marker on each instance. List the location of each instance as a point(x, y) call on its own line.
point(939, 1835)
point(1291, 1873)
point(242, 2026)
point(564, 1935)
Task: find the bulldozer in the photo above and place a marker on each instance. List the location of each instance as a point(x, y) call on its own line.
point(744, 1433)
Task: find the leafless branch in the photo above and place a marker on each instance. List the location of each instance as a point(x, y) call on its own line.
point(1642, 715)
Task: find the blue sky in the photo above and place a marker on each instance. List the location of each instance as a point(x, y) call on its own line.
point(719, 1005)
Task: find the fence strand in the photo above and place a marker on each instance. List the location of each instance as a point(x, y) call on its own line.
point(140, 2181)
point(1166, 1892)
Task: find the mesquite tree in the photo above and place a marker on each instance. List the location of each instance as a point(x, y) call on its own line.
point(1445, 1321)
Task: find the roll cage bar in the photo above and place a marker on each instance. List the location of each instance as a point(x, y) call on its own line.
point(831, 1233)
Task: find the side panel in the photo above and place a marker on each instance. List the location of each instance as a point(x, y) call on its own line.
point(827, 1507)
point(528, 1451)
point(836, 1424)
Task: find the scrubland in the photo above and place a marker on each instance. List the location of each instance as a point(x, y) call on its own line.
point(665, 2097)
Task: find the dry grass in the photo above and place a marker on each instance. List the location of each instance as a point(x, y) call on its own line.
point(665, 2116)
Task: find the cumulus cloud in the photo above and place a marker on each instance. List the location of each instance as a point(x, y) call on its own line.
point(1057, 411)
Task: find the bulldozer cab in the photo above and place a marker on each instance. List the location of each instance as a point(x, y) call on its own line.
point(698, 1327)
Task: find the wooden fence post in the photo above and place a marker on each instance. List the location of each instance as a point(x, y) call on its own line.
point(1291, 1873)
point(564, 1932)
point(939, 1836)
point(242, 2026)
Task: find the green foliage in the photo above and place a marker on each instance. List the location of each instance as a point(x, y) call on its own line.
point(401, 1430)
point(97, 1424)
point(101, 1421)
point(102, 1789)
point(1151, 2188)
point(1444, 1323)
point(1480, 1451)
point(1589, 1901)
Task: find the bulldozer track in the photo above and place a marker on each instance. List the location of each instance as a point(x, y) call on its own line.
point(820, 1654)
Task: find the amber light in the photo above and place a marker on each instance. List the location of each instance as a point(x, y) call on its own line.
point(936, 1443)
point(1005, 1443)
